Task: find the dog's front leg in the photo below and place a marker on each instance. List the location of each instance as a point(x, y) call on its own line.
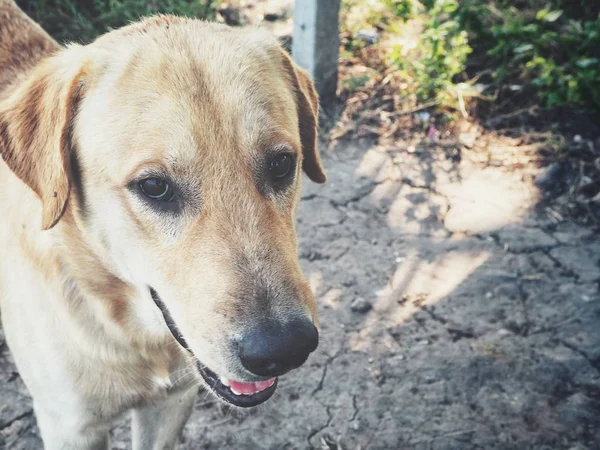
point(156, 426)
point(65, 431)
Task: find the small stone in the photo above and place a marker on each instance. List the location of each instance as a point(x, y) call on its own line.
point(585, 181)
point(430, 379)
point(378, 375)
point(577, 139)
point(423, 117)
point(360, 305)
point(503, 332)
point(369, 36)
point(356, 425)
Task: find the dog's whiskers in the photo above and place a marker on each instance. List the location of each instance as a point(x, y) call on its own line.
point(194, 385)
point(185, 375)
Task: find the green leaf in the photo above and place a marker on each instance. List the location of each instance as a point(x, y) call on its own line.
point(584, 63)
point(553, 16)
point(523, 48)
point(541, 14)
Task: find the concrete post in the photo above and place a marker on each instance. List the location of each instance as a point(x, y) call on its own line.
point(316, 42)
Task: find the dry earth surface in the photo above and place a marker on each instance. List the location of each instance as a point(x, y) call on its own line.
point(453, 317)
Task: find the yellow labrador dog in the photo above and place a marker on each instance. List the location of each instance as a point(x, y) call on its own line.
point(149, 184)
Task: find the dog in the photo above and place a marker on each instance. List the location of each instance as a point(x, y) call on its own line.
point(150, 181)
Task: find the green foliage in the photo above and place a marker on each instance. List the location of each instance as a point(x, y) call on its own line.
point(354, 83)
point(550, 50)
point(400, 8)
point(83, 20)
point(440, 54)
point(543, 50)
point(357, 15)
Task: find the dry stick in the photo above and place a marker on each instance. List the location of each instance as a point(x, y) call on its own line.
point(405, 112)
point(513, 113)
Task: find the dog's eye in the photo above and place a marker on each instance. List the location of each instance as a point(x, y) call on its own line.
point(157, 189)
point(281, 166)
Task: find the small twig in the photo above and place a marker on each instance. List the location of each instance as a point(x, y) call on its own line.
point(405, 112)
point(514, 113)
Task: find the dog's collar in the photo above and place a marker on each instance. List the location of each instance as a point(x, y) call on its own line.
point(169, 321)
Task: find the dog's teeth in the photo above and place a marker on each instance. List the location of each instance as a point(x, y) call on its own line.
point(224, 381)
point(235, 392)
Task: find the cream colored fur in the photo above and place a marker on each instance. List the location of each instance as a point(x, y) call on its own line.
point(80, 247)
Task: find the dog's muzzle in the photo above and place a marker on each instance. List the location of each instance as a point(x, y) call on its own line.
point(238, 393)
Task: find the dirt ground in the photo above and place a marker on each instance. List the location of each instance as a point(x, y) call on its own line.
point(453, 316)
point(457, 312)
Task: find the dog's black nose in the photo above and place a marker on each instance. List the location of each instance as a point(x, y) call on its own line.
point(275, 348)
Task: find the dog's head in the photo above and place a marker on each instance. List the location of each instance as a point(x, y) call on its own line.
point(175, 149)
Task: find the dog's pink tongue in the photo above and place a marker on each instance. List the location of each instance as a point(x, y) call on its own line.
point(250, 388)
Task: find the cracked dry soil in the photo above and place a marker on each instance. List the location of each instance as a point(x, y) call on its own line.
point(484, 331)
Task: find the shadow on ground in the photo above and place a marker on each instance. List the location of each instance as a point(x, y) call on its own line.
point(452, 317)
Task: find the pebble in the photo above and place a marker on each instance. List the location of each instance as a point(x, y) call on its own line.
point(360, 305)
point(503, 332)
point(370, 36)
point(430, 379)
point(423, 116)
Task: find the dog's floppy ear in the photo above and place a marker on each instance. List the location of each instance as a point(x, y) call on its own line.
point(307, 103)
point(35, 129)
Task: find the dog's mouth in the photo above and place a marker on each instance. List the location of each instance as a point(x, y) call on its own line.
point(238, 393)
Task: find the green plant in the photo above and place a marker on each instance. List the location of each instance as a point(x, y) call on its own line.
point(402, 9)
point(357, 15)
point(546, 50)
point(83, 20)
point(356, 82)
point(539, 50)
point(439, 56)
